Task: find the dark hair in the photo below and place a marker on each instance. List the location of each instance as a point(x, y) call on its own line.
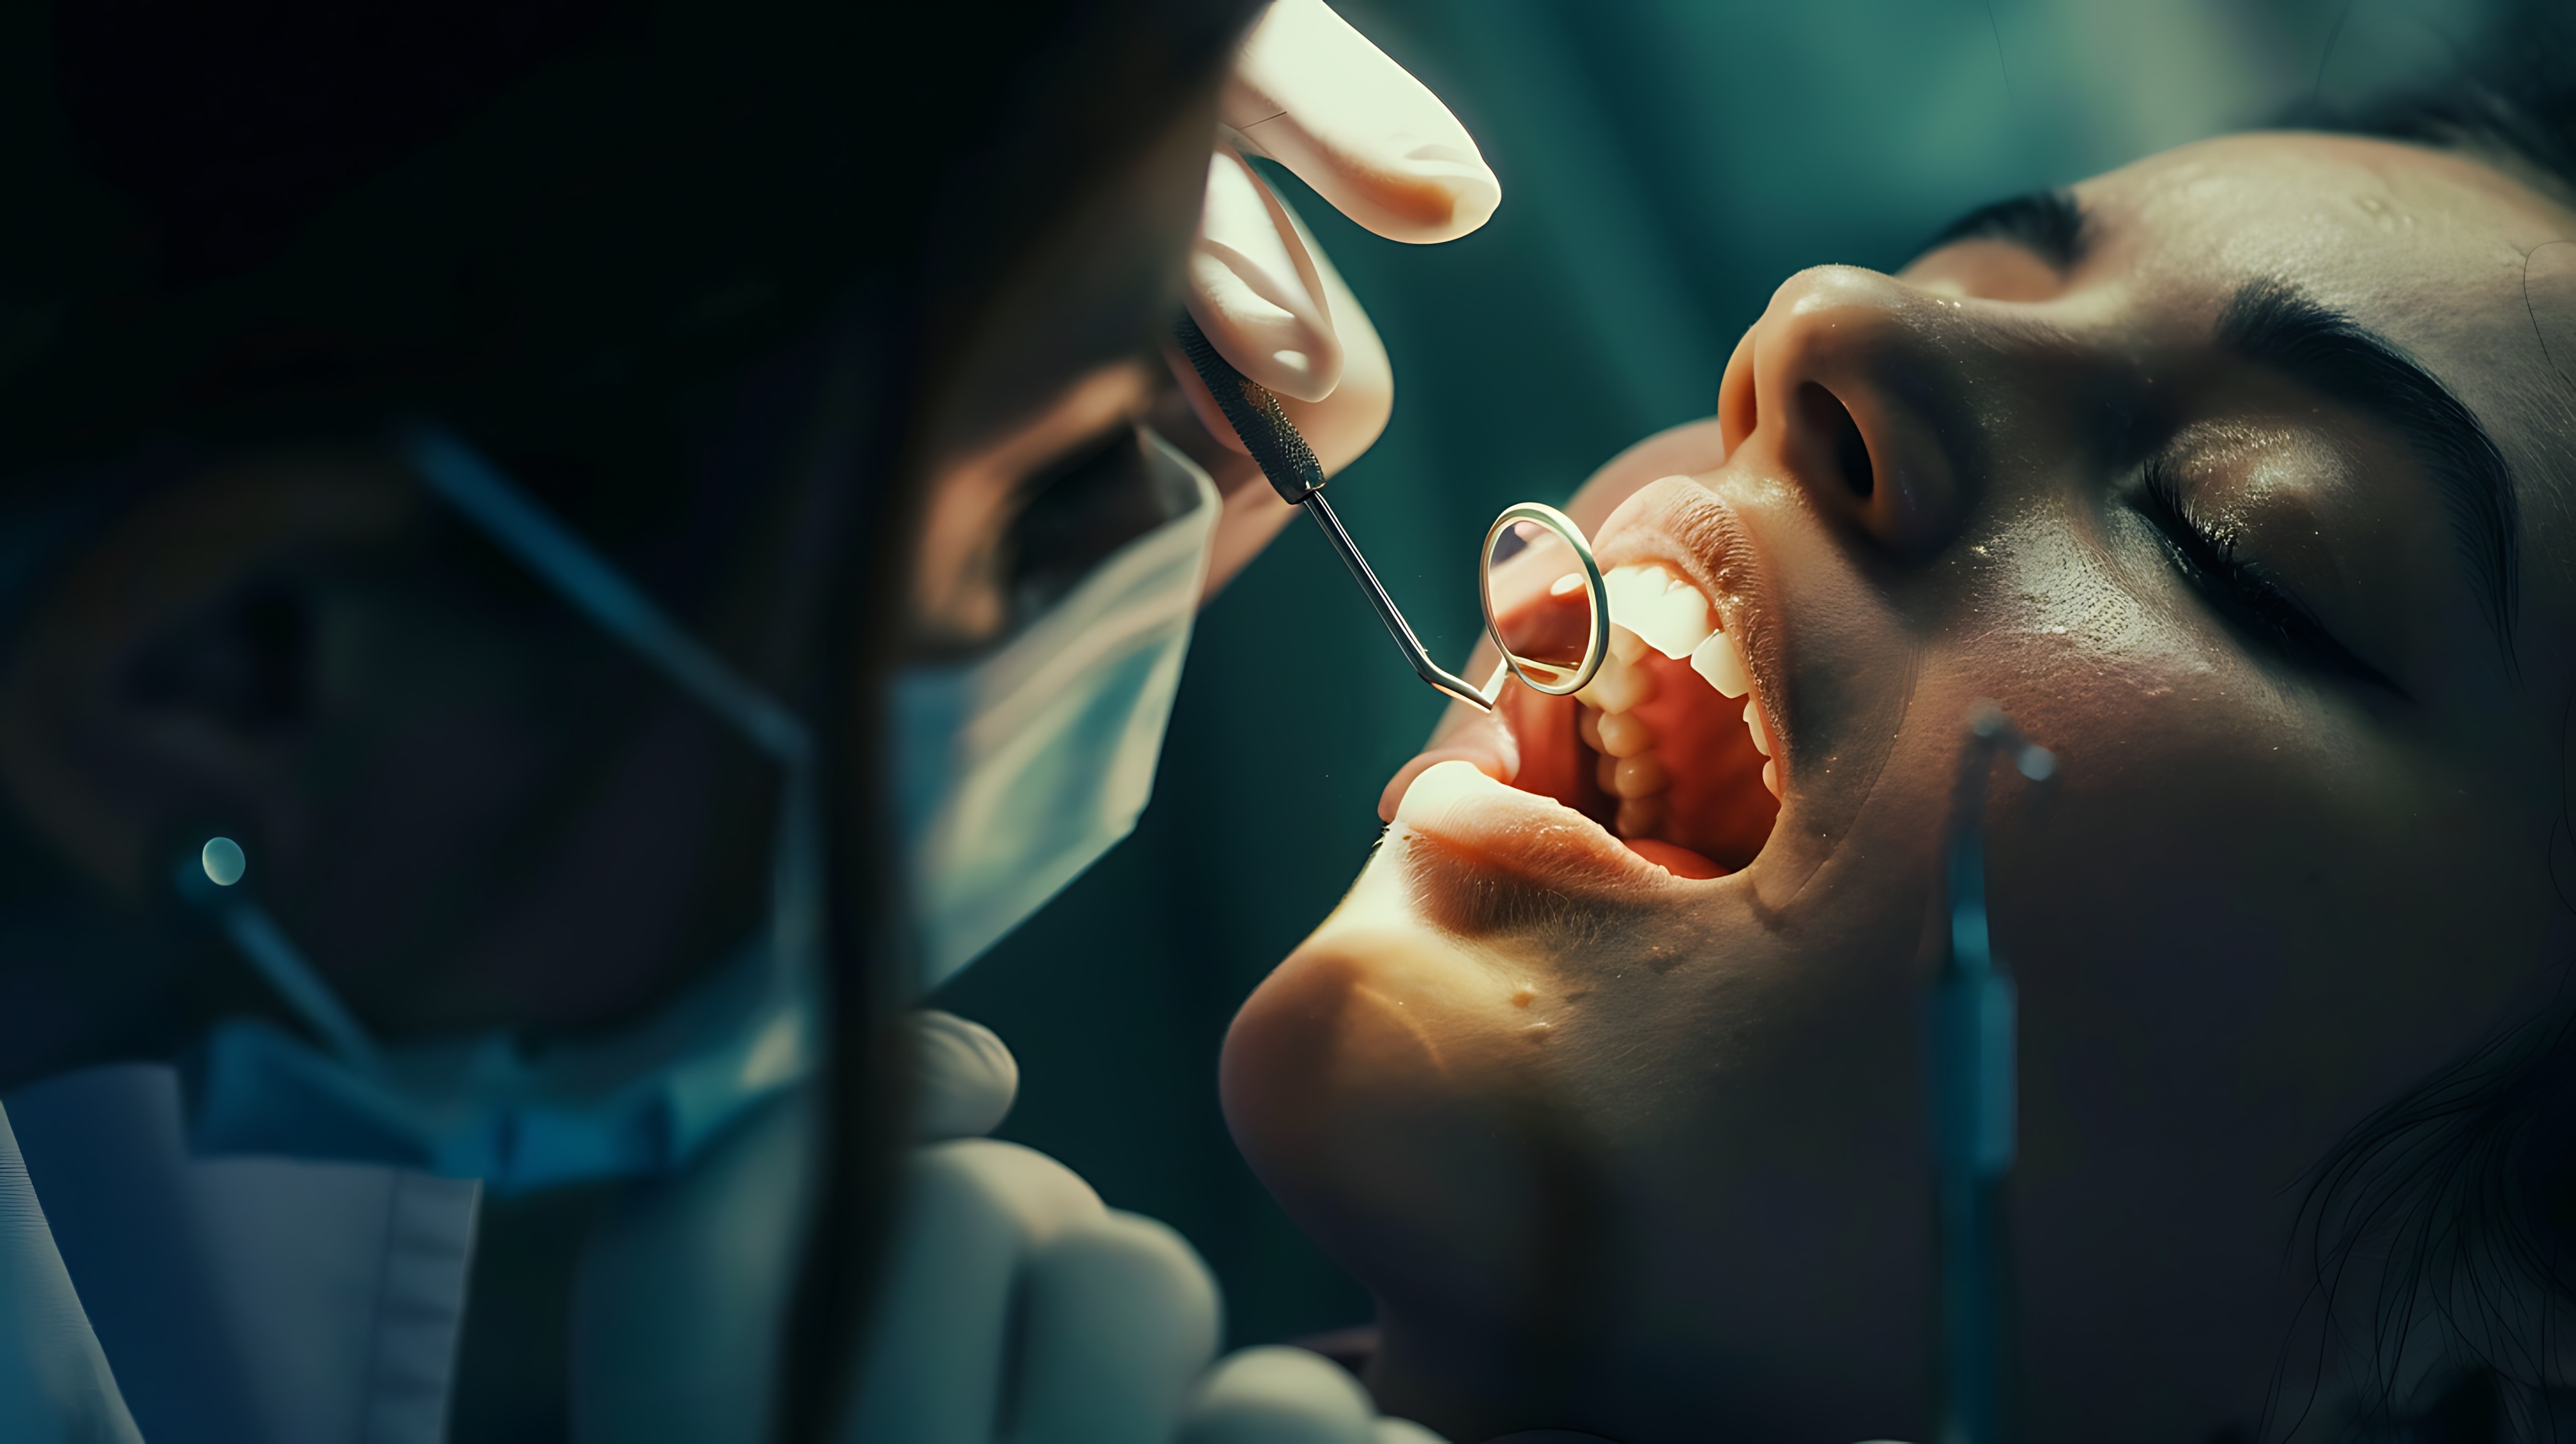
point(553, 223)
point(2452, 1210)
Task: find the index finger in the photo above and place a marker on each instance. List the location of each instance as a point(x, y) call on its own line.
point(1313, 94)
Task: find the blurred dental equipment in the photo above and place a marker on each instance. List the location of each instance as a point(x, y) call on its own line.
point(1971, 1025)
point(1528, 543)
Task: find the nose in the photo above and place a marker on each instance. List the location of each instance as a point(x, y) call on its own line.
point(1869, 393)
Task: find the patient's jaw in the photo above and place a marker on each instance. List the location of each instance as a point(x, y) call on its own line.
point(1631, 1152)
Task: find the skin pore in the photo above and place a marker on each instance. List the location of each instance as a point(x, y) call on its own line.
point(2158, 473)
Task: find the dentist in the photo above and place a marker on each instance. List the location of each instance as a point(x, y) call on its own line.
point(652, 535)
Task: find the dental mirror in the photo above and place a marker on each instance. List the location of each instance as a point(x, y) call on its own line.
point(1543, 596)
point(1544, 601)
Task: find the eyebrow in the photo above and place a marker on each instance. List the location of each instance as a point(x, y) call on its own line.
point(2268, 322)
point(2046, 223)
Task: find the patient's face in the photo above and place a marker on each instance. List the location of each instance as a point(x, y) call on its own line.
point(1630, 1150)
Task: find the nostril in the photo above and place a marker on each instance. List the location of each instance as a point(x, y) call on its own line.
point(1826, 413)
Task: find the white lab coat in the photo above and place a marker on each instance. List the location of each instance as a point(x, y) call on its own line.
point(264, 1300)
point(55, 1387)
point(153, 1294)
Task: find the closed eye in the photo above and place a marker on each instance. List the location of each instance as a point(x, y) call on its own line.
point(2235, 586)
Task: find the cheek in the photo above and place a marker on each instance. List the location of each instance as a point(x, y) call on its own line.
point(956, 593)
point(2242, 918)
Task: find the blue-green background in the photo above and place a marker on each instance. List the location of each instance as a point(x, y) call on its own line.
point(1665, 163)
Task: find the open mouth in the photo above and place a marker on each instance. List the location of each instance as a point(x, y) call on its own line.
point(1668, 747)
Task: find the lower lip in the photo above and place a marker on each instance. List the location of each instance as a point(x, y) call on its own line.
point(1503, 829)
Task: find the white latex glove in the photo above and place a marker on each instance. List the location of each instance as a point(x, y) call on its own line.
point(1278, 1395)
point(1313, 94)
point(1010, 1281)
point(963, 1079)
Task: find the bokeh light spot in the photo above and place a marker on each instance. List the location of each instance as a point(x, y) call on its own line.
point(223, 861)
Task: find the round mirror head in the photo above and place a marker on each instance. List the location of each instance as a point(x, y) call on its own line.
point(1544, 601)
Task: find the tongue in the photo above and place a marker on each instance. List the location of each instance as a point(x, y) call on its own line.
point(1553, 759)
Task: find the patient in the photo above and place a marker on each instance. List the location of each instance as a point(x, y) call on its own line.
point(2241, 477)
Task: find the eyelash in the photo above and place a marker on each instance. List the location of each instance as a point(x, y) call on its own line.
point(2206, 556)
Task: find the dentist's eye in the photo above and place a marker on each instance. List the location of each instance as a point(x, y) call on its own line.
point(1089, 503)
point(2210, 557)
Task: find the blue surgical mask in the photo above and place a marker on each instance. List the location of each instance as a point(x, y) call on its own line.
point(487, 1105)
point(1016, 772)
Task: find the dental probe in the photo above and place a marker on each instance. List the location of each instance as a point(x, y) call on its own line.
point(1973, 1017)
point(1292, 470)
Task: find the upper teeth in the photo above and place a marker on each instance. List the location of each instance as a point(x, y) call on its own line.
point(1650, 607)
point(1719, 660)
point(1621, 683)
point(1667, 613)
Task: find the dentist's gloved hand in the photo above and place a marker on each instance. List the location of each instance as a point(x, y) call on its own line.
point(1313, 94)
point(1010, 1281)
